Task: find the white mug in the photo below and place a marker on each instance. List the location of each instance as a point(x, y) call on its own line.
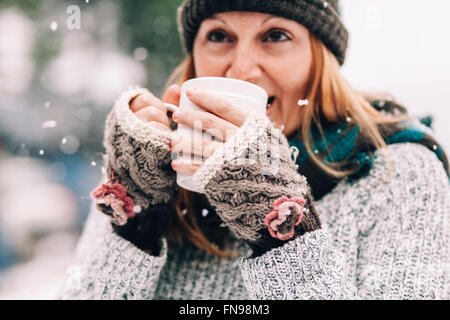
point(242, 94)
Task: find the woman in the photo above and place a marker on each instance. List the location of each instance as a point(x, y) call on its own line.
point(363, 212)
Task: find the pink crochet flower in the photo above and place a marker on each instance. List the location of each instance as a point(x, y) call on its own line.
point(287, 213)
point(114, 195)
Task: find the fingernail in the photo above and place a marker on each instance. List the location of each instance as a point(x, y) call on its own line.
point(175, 116)
point(176, 163)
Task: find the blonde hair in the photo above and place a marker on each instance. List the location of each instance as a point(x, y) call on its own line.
point(330, 96)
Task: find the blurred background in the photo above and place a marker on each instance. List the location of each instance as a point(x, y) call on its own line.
point(63, 63)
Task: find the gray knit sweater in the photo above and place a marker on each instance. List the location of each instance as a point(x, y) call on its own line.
point(381, 238)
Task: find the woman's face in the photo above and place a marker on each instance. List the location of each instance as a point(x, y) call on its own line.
point(269, 51)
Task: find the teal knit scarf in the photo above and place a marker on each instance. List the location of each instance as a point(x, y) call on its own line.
point(345, 147)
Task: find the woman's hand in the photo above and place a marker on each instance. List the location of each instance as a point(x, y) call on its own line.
point(139, 195)
point(220, 119)
point(251, 180)
point(152, 110)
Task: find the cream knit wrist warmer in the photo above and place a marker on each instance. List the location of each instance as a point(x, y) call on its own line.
point(255, 188)
point(142, 181)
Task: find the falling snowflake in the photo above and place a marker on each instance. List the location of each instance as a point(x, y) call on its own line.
point(54, 26)
point(47, 104)
point(49, 124)
point(93, 163)
point(140, 54)
point(70, 144)
point(41, 152)
point(205, 212)
point(303, 103)
point(137, 209)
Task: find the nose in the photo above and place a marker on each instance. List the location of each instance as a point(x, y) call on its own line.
point(245, 64)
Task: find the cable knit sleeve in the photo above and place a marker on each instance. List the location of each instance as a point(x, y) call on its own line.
point(381, 237)
point(113, 260)
point(384, 238)
point(139, 154)
point(255, 188)
point(138, 197)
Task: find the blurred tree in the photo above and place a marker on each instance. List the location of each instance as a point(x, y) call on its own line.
point(29, 7)
point(147, 24)
point(143, 30)
point(152, 25)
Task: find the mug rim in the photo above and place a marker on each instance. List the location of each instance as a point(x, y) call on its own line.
point(230, 80)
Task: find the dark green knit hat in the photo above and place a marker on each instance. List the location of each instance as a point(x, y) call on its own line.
point(322, 18)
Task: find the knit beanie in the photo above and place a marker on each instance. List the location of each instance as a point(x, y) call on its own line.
point(321, 18)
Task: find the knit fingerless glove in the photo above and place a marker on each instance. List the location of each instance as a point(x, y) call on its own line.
point(142, 183)
point(255, 188)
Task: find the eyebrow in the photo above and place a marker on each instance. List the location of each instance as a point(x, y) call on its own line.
point(262, 23)
point(270, 18)
point(215, 18)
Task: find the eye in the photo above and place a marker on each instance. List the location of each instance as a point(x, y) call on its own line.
point(217, 36)
point(277, 36)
